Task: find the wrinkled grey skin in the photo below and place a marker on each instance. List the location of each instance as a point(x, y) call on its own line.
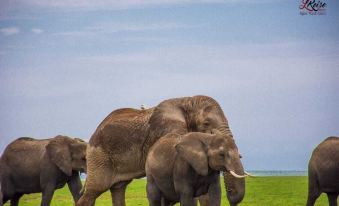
point(323, 172)
point(118, 148)
point(182, 167)
point(29, 166)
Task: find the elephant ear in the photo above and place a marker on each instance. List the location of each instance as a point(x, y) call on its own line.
point(59, 152)
point(169, 116)
point(194, 152)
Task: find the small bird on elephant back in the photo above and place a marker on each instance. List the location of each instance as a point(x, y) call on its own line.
point(118, 148)
point(32, 165)
point(323, 172)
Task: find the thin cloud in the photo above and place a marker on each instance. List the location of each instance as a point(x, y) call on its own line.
point(118, 27)
point(8, 31)
point(116, 5)
point(37, 31)
point(115, 27)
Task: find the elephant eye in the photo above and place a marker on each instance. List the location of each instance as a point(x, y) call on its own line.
point(206, 124)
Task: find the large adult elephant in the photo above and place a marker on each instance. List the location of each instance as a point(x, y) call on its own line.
point(118, 148)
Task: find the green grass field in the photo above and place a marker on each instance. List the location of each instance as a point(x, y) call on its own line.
point(260, 191)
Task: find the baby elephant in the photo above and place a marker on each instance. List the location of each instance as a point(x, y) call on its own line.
point(179, 168)
point(29, 166)
point(323, 172)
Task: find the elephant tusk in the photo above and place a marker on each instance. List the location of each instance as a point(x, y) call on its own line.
point(249, 174)
point(237, 176)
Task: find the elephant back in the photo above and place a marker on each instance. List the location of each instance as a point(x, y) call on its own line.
point(23, 154)
point(26, 145)
point(122, 129)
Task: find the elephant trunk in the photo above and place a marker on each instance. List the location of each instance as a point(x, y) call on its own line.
point(234, 186)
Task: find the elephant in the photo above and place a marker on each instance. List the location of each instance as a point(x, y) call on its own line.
point(182, 167)
point(323, 172)
point(118, 148)
point(31, 165)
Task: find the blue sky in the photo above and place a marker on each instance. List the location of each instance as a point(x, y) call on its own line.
point(64, 66)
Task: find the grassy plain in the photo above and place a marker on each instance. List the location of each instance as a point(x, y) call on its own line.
point(260, 191)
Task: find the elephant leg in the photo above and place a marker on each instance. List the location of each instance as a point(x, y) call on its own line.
point(88, 198)
point(313, 189)
point(118, 191)
point(99, 176)
point(47, 194)
point(213, 197)
point(15, 199)
point(312, 197)
point(214, 193)
point(332, 199)
point(75, 186)
point(94, 187)
point(7, 190)
point(153, 192)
